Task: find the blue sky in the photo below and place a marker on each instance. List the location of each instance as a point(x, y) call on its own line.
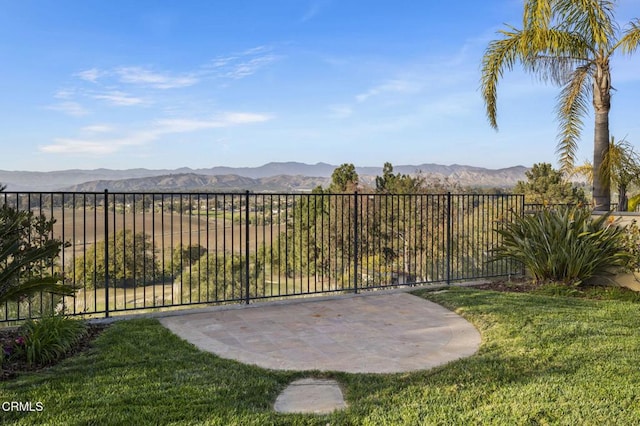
point(163, 84)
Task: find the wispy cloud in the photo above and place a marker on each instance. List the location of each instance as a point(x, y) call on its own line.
point(182, 125)
point(81, 146)
point(64, 94)
point(340, 111)
point(121, 85)
point(314, 9)
point(92, 75)
point(245, 69)
point(310, 13)
point(235, 118)
point(390, 87)
point(119, 98)
point(240, 65)
point(146, 77)
point(97, 128)
point(110, 143)
point(70, 108)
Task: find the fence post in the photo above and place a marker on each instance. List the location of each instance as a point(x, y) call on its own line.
point(246, 247)
point(106, 253)
point(355, 242)
point(449, 237)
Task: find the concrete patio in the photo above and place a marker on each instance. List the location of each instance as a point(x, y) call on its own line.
point(372, 332)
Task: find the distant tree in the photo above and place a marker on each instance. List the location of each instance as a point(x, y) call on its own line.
point(344, 179)
point(390, 183)
point(215, 278)
point(185, 256)
point(546, 185)
point(132, 261)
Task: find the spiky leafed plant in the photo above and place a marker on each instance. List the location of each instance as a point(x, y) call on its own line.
point(569, 43)
point(564, 244)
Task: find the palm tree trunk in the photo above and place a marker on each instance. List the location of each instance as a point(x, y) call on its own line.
point(601, 184)
point(602, 106)
point(623, 201)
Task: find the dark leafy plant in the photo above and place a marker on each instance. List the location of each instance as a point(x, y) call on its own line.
point(27, 253)
point(49, 338)
point(564, 244)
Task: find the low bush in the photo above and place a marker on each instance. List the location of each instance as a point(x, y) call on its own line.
point(45, 340)
point(564, 244)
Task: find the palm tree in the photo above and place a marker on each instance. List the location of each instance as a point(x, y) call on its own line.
point(26, 253)
point(621, 166)
point(570, 44)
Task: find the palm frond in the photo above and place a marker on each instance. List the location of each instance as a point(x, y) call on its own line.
point(537, 14)
point(553, 54)
point(621, 163)
point(630, 40)
point(499, 55)
point(573, 105)
point(51, 284)
point(585, 170)
point(592, 19)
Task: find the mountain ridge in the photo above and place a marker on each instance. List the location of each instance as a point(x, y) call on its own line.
point(268, 177)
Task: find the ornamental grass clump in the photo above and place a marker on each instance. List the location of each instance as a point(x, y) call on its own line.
point(48, 339)
point(564, 244)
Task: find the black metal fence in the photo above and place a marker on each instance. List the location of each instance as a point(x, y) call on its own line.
point(130, 251)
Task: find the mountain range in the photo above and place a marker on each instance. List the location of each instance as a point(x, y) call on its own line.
point(276, 176)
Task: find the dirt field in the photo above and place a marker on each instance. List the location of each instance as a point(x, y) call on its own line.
point(148, 296)
point(166, 230)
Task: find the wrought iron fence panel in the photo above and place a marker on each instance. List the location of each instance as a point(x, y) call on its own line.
point(132, 251)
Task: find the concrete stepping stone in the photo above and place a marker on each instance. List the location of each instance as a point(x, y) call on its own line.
point(317, 396)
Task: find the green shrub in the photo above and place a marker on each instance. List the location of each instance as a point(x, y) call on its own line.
point(49, 338)
point(564, 244)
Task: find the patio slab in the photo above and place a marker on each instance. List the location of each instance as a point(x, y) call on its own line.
point(373, 332)
point(317, 396)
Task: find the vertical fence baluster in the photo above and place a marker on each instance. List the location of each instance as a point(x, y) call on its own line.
point(355, 242)
point(448, 238)
point(106, 253)
point(246, 247)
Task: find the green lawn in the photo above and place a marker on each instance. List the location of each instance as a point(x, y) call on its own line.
point(544, 360)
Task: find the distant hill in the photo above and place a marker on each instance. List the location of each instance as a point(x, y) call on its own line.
point(192, 182)
point(278, 176)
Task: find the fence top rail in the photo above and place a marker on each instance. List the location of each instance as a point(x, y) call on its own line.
point(237, 193)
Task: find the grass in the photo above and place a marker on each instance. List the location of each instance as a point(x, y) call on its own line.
point(590, 292)
point(544, 360)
